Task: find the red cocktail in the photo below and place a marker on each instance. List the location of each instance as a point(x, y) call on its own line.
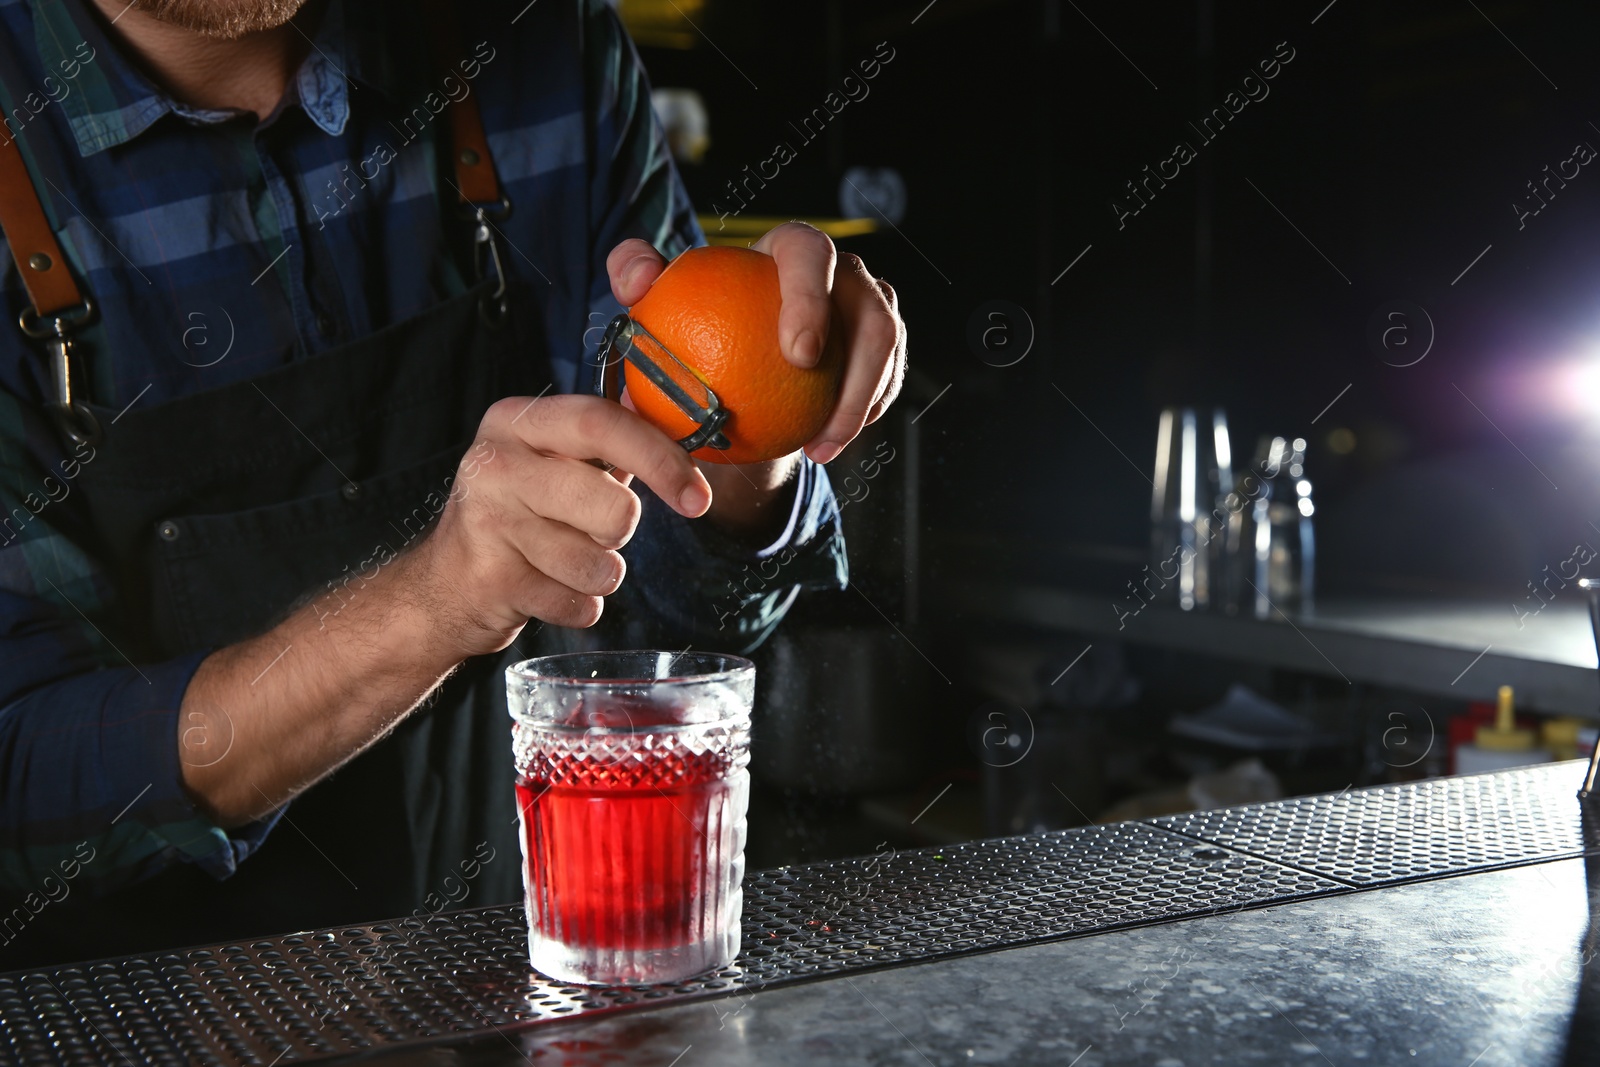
point(632, 789)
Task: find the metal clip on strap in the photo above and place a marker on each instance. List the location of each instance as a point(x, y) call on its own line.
point(477, 187)
point(58, 308)
point(486, 255)
point(73, 419)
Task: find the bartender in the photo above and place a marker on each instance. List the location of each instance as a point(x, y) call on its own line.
point(293, 447)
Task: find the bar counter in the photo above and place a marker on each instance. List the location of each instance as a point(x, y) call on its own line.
point(1444, 921)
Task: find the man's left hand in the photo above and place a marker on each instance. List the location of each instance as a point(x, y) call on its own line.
point(824, 293)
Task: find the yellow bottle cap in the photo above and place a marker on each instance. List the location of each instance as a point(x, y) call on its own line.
point(1561, 737)
point(1504, 735)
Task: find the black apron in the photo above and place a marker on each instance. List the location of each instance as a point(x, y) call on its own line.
point(224, 509)
point(220, 512)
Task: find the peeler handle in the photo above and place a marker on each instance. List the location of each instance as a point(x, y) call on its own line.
point(617, 347)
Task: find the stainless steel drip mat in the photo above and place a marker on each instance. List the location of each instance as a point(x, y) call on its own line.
point(334, 992)
point(1399, 833)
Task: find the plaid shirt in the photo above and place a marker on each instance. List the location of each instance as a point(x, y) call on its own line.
point(218, 248)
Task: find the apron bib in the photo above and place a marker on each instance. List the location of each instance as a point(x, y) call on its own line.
point(220, 516)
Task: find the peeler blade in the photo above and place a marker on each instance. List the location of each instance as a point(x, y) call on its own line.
point(626, 341)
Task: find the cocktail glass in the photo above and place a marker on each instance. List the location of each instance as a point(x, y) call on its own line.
point(632, 786)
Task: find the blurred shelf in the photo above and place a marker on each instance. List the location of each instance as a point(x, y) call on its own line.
point(1463, 650)
point(662, 23)
point(741, 230)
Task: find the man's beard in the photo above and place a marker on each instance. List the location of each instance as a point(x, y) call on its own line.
point(227, 19)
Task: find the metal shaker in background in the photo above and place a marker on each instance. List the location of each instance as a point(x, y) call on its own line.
point(1194, 471)
point(1591, 590)
point(1271, 546)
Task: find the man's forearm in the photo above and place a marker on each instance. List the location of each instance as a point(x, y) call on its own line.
point(534, 536)
point(290, 706)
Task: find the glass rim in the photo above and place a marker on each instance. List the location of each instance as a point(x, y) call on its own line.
point(569, 730)
point(735, 667)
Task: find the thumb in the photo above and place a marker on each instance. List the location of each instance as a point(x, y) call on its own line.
point(632, 266)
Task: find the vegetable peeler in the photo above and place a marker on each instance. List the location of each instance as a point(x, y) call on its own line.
point(627, 341)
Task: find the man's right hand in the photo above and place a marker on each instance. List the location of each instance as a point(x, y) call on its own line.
point(531, 529)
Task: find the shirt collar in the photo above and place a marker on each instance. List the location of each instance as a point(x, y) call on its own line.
point(114, 102)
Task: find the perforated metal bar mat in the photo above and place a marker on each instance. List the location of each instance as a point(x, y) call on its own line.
point(1399, 833)
point(309, 996)
point(336, 992)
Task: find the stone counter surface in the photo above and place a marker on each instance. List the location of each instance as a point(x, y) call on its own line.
point(1440, 922)
point(1478, 970)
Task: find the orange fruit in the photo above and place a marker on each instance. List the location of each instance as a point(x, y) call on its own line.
point(716, 309)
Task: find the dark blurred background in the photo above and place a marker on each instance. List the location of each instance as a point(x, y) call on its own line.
point(1388, 159)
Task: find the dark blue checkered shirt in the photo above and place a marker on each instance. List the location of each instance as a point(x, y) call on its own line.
point(218, 248)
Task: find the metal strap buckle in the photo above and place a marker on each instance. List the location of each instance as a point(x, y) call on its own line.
point(495, 211)
point(73, 419)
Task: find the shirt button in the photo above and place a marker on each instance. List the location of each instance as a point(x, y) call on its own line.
point(168, 531)
point(351, 491)
point(326, 326)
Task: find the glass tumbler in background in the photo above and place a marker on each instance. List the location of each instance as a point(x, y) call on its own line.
point(632, 785)
point(1276, 548)
point(1193, 474)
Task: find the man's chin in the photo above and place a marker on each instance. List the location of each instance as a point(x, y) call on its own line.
point(223, 19)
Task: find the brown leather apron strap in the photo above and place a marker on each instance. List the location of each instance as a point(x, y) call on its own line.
point(476, 181)
point(469, 148)
point(43, 268)
point(478, 188)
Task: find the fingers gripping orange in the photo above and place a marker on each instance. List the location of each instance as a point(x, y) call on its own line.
point(716, 310)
